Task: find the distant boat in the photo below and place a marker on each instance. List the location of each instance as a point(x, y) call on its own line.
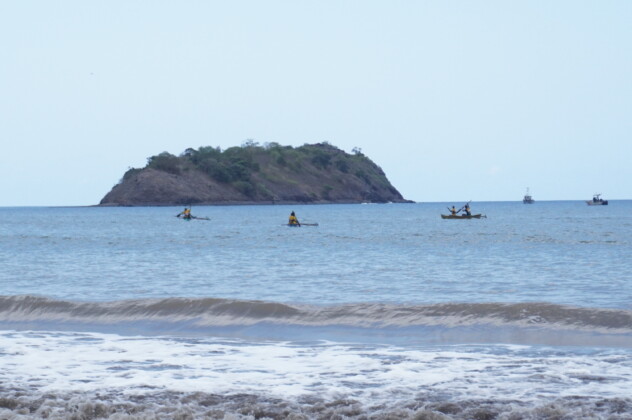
point(597, 201)
point(527, 199)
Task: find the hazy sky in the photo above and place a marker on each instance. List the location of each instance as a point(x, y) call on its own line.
point(455, 100)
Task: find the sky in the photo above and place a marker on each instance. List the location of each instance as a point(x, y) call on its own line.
point(454, 100)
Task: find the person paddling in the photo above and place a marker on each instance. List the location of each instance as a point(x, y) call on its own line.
point(293, 221)
point(466, 208)
point(453, 211)
point(186, 213)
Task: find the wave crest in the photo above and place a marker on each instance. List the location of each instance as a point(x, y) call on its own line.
point(231, 312)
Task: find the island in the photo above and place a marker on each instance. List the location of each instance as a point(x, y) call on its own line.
point(255, 174)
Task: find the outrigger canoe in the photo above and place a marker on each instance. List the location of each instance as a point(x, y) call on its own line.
point(193, 218)
point(463, 216)
point(302, 224)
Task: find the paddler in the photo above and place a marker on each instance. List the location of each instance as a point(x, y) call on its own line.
point(293, 221)
point(186, 213)
point(453, 211)
point(466, 208)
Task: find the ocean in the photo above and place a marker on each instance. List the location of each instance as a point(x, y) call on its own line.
point(382, 311)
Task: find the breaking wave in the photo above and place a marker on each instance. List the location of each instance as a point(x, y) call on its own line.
point(226, 312)
point(522, 323)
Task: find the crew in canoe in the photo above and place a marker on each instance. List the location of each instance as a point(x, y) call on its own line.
point(467, 213)
point(293, 221)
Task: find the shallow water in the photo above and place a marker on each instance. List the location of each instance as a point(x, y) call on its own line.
point(382, 310)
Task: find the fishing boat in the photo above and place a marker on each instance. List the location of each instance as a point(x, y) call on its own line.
point(597, 201)
point(462, 216)
point(527, 199)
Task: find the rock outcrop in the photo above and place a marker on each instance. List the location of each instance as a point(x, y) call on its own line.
point(317, 173)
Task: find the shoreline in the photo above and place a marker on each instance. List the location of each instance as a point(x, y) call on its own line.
point(250, 203)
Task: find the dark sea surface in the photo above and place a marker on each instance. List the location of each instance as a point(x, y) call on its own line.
point(379, 312)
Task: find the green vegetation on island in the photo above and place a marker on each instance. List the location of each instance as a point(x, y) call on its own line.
point(253, 173)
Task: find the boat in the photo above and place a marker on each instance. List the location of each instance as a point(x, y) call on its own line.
point(302, 224)
point(462, 216)
point(189, 218)
point(597, 201)
point(527, 199)
point(186, 215)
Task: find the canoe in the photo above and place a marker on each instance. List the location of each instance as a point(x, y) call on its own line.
point(464, 216)
point(302, 224)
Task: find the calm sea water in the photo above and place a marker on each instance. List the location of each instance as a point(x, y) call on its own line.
point(384, 311)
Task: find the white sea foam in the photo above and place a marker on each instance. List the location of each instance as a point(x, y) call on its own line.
point(49, 362)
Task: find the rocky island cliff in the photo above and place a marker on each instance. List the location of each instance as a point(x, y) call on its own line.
point(269, 174)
